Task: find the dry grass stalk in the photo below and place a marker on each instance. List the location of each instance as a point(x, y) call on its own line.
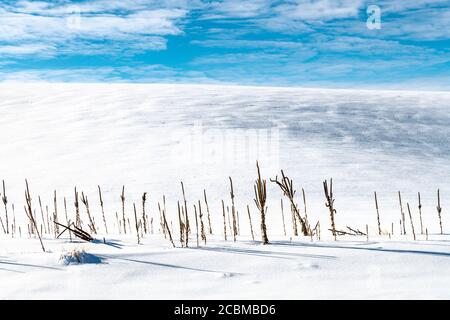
point(202, 227)
point(122, 199)
point(78, 232)
point(304, 204)
point(426, 230)
point(182, 226)
point(91, 225)
point(251, 225)
point(196, 223)
point(185, 230)
point(378, 213)
point(162, 226)
point(77, 210)
point(233, 210)
point(42, 215)
point(439, 210)
point(67, 218)
point(318, 230)
point(260, 201)
point(367, 233)
point(144, 220)
point(420, 213)
point(294, 222)
point(224, 222)
point(330, 204)
point(287, 187)
point(3, 225)
point(103, 209)
point(29, 212)
point(14, 218)
point(356, 231)
point(402, 213)
point(238, 225)
point(412, 223)
point(136, 224)
point(55, 212)
point(5, 203)
point(282, 217)
point(188, 227)
point(229, 221)
point(207, 210)
point(166, 225)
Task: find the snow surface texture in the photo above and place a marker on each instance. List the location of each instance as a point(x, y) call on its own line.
point(299, 270)
point(151, 137)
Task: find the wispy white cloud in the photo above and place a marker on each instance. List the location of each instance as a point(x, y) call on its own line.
point(43, 27)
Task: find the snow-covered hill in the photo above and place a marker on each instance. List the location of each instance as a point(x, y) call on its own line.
point(150, 137)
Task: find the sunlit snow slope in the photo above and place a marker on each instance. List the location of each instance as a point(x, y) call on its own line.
point(150, 137)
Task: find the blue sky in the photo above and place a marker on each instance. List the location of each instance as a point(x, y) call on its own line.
point(322, 43)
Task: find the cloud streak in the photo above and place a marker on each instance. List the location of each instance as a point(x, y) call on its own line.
point(254, 41)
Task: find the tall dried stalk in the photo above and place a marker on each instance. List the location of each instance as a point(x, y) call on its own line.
point(233, 210)
point(185, 230)
point(122, 199)
point(238, 225)
point(330, 204)
point(85, 201)
point(420, 214)
point(29, 213)
point(229, 221)
point(42, 215)
point(3, 226)
point(378, 213)
point(202, 227)
point(251, 225)
point(162, 226)
point(282, 217)
point(224, 222)
point(77, 210)
point(182, 226)
point(402, 212)
point(207, 210)
point(304, 204)
point(103, 210)
point(136, 224)
point(144, 220)
point(5, 203)
point(412, 223)
point(260, 201)
point(286, 186)
point(196, 224)
point(188, 227)
point(439, 210)
point(67, 218)
point(55, 213)
point(294, 222)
